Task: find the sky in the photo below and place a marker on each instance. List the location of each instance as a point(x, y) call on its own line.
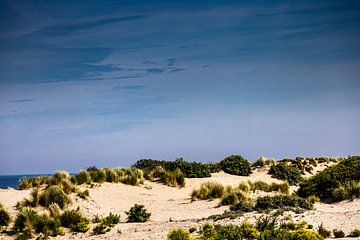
point(106, 83)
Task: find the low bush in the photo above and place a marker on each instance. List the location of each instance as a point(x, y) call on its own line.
point(263, 186)
point(178, 234)
point(54, 194)
point(173, 178)
point(266, 223)
point(243, 206)
point(4, 217)
point(338, 233)
point(355, 233)
point(189, 169)
point(305, 234)
point(97, 175)
point(335, 183)
point(283, 171)
point(313, 199)
point(233, 197)
point(83, 177)
point(27, 183)
point(236, 165)
point(138, 213)
point(73, 219)
point(279, 201)
point(323, 231)
point(208, 190)
point(101, 229)
point(111, 219)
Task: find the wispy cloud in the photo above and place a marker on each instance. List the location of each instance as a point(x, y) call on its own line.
point(22, 100)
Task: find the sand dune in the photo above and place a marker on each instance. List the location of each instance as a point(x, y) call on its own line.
point(172, 207)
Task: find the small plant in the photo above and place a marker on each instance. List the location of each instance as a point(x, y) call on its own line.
point(4, 217)
point(74, 220)
point(111, 219)
point(305, 234)
point(236, 165)
point(192, 229)
point(208, 190)
point(138, 213)
point(55, 210)
point(25, 220)
point(313, 199)
point(84, 195)
point(323, 231)
point(355, 233)
point(101, 229)
point(338, 233)
point(266, 223)
point(178, 234)
point(233, 197)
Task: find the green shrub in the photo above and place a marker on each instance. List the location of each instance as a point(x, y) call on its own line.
point(4, 217)
point(111, 175)
point(173, 178)
point(131, 176)
point(313, 199)
point(248, 231)
point(27, 183)
point(355, 233)
point(284, 172)
point(243, 206)
point(178, 234)
point(111, 219)
point(323, 231)
point(83, 177)
point(305, 234)
point(138, 213)
point(233, 197)
point(189, 169)
point(54, 210)
point(338, 233)
point(263, 186)
point(24, 236)
point(73, 219)
point(274, 234)
point(236, 165)
point(101, 229)
point(25, 219)
point(208, 190)
point(279, 201)
point(54, 194)
point(335, 183)
point(97, 175)
point(229, 232)
point(192, 229)
point(266, 223)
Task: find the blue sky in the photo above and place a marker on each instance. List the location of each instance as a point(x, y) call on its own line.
point(106, 83)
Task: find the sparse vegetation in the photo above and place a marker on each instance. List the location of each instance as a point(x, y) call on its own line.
point(236, 165)
point(54, 194)
point(208, 190)
point(84, 194)
point(73, 219)
point(138, 213)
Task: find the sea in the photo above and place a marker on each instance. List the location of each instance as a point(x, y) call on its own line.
point(12, 181)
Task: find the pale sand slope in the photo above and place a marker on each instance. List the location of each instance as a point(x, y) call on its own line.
point(167, 203)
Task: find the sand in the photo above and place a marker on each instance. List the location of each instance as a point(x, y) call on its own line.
point(172, 207)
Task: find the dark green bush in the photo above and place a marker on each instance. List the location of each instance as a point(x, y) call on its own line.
point(97, 175)
point(111, 219)
point(283, 171)
point(305, 234)
point(138, 213)
point(54, 194)
point(25, 219)
point(178, 234)
point(189, 169)
point(338, 233)
point(335, 183)
point(266, 223)
point(323, 231)
point(4, 218)
point(243, 206)
point(236, 165)
point(279, 201)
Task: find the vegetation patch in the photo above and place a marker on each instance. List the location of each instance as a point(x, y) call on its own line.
point(335, 183)
point(138, 213)
point(236, 165)
point(283, 171)
point(208, 190)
